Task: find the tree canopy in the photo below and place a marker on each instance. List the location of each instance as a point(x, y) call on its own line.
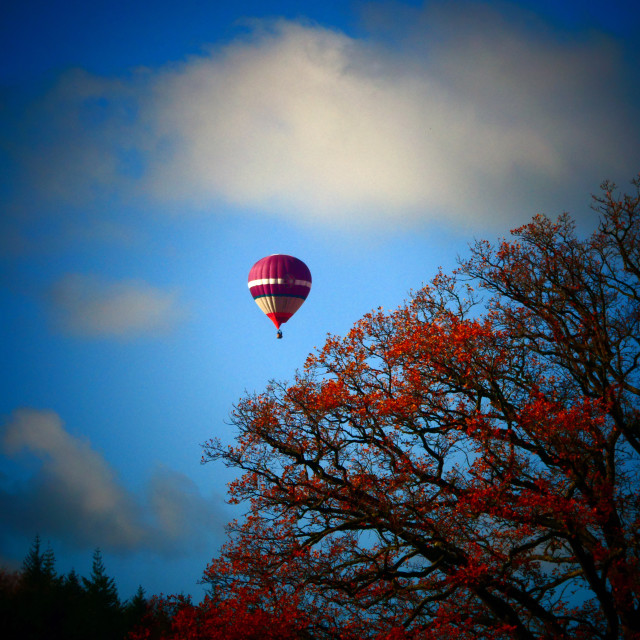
point(464, 466)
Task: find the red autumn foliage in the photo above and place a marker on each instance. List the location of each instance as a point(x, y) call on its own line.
point(237, 618)
point(465, 466)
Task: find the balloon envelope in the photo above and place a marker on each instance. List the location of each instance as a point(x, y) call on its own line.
point(279, 284)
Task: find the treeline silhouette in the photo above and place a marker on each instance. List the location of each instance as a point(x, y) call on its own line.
point(36, 603)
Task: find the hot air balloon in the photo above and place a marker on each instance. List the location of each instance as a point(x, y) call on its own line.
point(279, 284)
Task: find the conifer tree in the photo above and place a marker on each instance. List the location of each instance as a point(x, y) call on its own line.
point(99, 585)
point(37, 612)
point(33, 563)
point(72, 583)
point(136, 608)
point(75, 623)
point(103, 605)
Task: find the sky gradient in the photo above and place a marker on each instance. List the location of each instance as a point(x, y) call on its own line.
point(151, 153)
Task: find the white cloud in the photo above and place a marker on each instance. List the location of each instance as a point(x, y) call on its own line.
point(178, 506)
point(75, 495)
point(91, 306)
point(75, 487)
point(462, 113)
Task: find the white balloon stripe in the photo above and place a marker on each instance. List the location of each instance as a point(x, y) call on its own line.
point(298, 283)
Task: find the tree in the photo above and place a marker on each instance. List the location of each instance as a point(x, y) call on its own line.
point(104, 615)
point(72, 586)
point(136, 608)
point(240, 617)
point(9, 590)
point(35, 607)
point(465, 465)
point(38, 568)
point(99, 585)
point(73, 607)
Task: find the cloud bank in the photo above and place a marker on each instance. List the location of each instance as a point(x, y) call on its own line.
point(90, 306)
point(75, 496)
point(458, 114)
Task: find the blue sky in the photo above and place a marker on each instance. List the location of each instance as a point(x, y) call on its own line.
point(150, 153)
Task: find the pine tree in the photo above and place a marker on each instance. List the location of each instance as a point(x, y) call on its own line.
point(49, 565)
point(33, 563)
point(75, 623)
point(136, 608)
point(37, 612)
point(99, 585)
point(138, 601)
point(72, 583)
point(103, 605)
